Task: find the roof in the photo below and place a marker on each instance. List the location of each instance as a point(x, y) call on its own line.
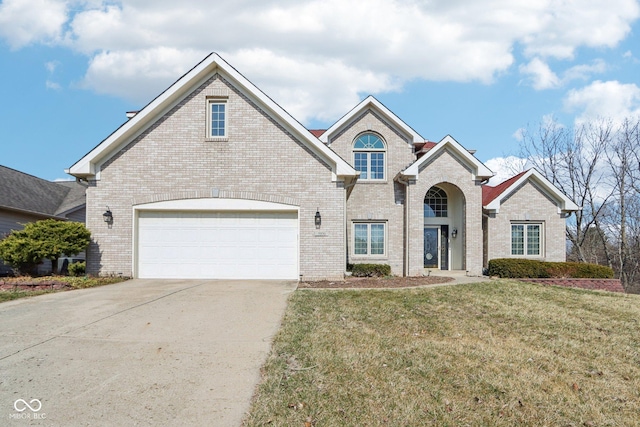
point(493, 196)
point(480, 171)
point(89, 165)
point(27, 193)
point(371, 103)
point(490, 193)
point(317, 132)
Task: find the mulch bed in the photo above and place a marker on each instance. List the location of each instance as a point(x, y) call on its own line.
point(375, 282)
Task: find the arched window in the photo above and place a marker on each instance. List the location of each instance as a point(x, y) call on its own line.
point(435, 203)
point(368, 156)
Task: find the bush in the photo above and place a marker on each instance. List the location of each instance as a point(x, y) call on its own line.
point(528, 268)
point(371, 270)
point(78, 269)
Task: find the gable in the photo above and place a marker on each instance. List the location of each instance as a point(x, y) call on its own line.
point(89, 165)
point(496, 196)
point(449, 145)
point(383, 113)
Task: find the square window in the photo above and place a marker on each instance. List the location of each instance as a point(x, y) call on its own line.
point(526, 240)
point(369, 239)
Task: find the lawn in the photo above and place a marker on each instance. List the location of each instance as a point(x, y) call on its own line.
point(499, 353)
point(22, 287)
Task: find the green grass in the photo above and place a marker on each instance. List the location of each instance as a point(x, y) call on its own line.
point(500, 353)
point(70, 283)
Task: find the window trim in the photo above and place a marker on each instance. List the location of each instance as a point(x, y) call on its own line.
point(368, 152)
point(526, 225)
point(369, 224)
point(437, 190)
point(211, 101)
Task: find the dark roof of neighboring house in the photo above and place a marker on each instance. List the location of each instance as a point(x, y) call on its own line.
point(24, 192)
point(490, 193)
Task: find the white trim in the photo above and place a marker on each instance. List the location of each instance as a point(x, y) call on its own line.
point(211, 101)
point(564, 204)
point(541, 237)
point(372, 104)
point(369, 255)
point(87, 165)
point(480, 171)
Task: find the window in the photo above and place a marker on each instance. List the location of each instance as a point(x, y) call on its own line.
point(368, 239)
point(526, 239)
point(217, 118)
point(435, 203)
point(368, 157)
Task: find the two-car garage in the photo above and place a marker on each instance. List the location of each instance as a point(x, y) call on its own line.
point(216, 239)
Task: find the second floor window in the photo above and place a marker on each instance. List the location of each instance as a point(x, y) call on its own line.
point(368, 157)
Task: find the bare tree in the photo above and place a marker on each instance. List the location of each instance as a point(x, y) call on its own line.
point(572, 159)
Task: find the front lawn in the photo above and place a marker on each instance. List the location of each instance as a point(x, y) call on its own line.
point(20, 287)
point(498, 353)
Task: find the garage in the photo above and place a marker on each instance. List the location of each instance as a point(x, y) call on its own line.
point(217, 244)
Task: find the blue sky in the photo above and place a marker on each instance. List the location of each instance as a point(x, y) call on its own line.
point(479, 71)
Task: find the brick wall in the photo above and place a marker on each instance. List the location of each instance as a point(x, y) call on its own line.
point(527, 204)
point(378, 201)
point(173, 157)
point(446, 168)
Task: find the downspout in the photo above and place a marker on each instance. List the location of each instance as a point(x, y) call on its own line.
point(344, 219)
point(406, 224)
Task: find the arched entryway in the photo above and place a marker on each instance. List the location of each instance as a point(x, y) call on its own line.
point(444, 227)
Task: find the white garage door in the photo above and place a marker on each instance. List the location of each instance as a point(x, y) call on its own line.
point(218, 245)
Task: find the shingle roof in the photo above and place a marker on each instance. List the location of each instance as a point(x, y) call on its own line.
point(489, 193)
point(26, 192)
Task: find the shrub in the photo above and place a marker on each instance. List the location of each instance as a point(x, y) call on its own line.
point(77, 268)
point(528, 268)
point(371, 270)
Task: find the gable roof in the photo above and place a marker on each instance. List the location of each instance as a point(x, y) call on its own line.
point(490, 193)
point(27, 193)
point(89, 165)
point(493, 196)
point(480, 171)
point(370, 103)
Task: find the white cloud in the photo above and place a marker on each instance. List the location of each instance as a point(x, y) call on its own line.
point(505, 167)
point(540, 74)
point(327, 53)
point(51, 66)
point(23, 22)
point(611, 99)
point(53, 85)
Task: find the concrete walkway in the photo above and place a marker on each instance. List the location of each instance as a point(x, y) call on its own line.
point(459, 277)
point(142, 352)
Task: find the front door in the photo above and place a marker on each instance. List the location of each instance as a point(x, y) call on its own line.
point(431, 247)
point(436, 247)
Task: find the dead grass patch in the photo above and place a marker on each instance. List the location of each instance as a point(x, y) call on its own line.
point(499, 353)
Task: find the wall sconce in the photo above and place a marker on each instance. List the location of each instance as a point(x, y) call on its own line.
point(454, 233)
point(108, 216)
point(318, 219)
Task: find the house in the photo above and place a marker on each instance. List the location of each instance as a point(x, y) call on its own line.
point(25, 198)
point(213, 179)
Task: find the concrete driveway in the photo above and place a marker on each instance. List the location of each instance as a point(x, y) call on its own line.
point(142, 352)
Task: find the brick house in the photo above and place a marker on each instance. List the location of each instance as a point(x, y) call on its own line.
point(213, 179)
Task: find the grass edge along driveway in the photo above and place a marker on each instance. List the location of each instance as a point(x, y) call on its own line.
point(499, 353)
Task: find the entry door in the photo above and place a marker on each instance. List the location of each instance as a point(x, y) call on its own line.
point(431, 247)
point(436, 247)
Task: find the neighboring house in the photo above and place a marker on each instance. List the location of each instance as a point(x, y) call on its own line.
point(25, 198)
point(213, 179)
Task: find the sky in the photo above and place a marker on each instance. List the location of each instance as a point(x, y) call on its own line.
point(480, 71)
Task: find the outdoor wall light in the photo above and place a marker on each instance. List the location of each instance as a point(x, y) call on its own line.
point(318, 219)
point(108, 216)
point(454, 233)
